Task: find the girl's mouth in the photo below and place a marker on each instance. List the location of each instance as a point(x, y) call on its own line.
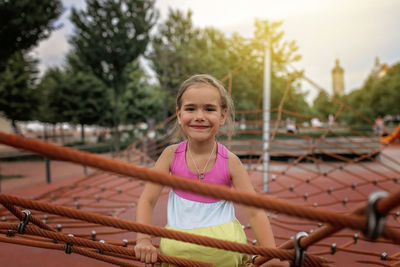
point(199, 127)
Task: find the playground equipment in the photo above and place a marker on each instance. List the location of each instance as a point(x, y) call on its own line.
point(391, 137)
point(339, 204)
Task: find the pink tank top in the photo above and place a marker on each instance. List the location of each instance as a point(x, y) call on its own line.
point(219, 174)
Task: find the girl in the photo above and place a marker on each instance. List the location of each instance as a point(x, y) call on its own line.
point(202, 107)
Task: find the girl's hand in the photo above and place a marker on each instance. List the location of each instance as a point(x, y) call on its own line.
point(276, 263)
point(145, 251)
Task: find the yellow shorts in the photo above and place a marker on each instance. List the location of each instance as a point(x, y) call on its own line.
point(231, 231)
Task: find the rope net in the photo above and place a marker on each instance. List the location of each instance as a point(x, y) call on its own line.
point(321, 181)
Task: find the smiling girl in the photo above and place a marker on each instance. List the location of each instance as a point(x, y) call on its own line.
point(202, 108)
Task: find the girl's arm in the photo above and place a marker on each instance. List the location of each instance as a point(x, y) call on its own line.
point(144, 250)
point(257, 217)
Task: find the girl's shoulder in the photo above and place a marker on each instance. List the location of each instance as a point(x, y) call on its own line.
point(233, 159)
point(165, 159)
point(170, 150)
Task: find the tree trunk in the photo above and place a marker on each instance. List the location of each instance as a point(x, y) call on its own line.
point(165, 106)
point(62, 134)
point(83, 133)
point(45, 132)
point(15, 127)
point(54, 134)
point(116, 139)
point(116, 121)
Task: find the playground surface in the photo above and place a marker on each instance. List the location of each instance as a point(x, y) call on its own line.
point(64, 175)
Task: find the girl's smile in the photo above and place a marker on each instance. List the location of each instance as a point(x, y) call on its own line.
point(199, 126)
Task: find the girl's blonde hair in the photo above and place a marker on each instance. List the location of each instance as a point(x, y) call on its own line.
point(226, 101)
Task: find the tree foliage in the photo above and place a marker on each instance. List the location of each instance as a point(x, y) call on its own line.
point(52, 100)
point(323, 105)
point(73, 96)
point(179, 50)
point(378, 95)
point(18, 98)
point(141, 100)
point(108, 36)
point(24, 23)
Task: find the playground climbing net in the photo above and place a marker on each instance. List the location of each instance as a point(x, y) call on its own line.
point(329, 194)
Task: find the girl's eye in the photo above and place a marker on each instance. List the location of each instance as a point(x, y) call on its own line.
point(189, 109)
point(210, 109)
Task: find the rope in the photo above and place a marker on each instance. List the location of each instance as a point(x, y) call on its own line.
point(111, 165)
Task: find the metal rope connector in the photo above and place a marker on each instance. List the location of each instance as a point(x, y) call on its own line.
point(375, 220)
point(253, 259)
point(93, 235)
point(103, 242)
point(68, 246)
point(300, 253)
point(24, 222)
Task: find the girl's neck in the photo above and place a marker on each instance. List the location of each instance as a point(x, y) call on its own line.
point(203, 147)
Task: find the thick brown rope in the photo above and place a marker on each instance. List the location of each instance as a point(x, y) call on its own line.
point(17, 213)
point(74, 249)
point(148, 229)
point(384, 205)
point(33, 230)
point(111, 165)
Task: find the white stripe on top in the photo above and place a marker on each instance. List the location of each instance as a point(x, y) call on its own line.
point(188, 214)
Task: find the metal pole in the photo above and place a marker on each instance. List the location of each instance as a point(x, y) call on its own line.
point(47, 160)
point(48, 176)
point(266, 113)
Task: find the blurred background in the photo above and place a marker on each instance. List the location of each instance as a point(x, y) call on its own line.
point(79, 72)
point(102, 75)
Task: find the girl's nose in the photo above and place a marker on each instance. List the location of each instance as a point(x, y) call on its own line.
point(199, 115)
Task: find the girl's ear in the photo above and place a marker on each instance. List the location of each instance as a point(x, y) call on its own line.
point(224, 114)
point(178, 115)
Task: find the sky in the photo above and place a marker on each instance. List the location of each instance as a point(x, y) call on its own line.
point(355, 32)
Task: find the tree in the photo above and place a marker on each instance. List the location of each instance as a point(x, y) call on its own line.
point(378, 95)
point(141, 99)
point(24, 23)
point(385, 93)
point(109, 35)
point(170, 52)
point(51, 102)
point(179, 50)
point(18, 97)
point(73, 96)
point(323, 105)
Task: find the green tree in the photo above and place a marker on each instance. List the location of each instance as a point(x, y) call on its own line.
point(108, 36)
point(323, 105)
point(180, 49)
point(75, 97)
point(141, 99)
point(18, 97)
point(51, 101)
point(378, 95)
point(170, 51)
point(24, 23)
point(283, 53)
point(385, 94)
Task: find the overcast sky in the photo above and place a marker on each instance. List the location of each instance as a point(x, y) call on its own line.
point(355, 32)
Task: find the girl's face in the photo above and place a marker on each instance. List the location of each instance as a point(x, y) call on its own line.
point(200, 114)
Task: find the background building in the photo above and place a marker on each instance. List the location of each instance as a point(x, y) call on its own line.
point(338, 79)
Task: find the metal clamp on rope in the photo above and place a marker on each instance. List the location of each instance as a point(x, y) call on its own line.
point(300, 253)
point(253, 259)
point(22, 224)
point(68, 246)
point(375, 220)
